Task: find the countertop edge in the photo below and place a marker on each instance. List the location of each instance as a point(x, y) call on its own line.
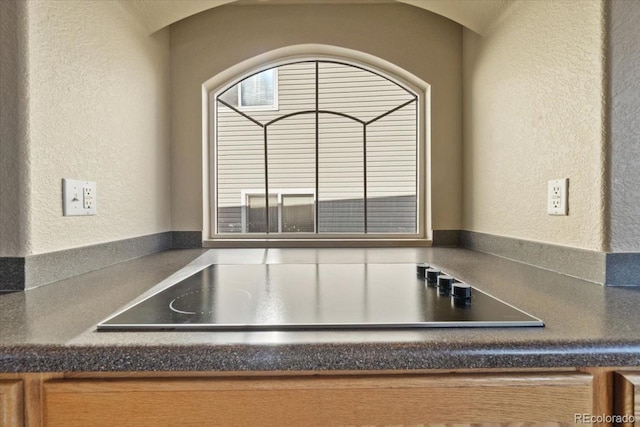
point(316, 357)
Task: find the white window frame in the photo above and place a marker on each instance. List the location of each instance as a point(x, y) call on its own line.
point(271, 107)
point(310, 52)
point(279, 192)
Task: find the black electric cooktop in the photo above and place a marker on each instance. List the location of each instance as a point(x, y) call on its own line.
point(312, 296)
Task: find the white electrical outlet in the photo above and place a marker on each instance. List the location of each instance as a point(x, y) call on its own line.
point(87, 197)
point(78, 197)
point(557, 201)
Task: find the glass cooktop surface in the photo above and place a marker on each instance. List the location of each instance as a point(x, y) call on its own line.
point(311, 296)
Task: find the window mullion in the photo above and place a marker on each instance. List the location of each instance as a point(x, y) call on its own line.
point(364, 179)
point(317, 195)
point(266, 183)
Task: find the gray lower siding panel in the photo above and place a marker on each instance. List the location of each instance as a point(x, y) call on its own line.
point(392, 214)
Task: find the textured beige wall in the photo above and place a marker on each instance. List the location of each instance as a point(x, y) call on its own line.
point(423, 43)
point(533, 111)
point(14, 142)
point(624, 173)
point(99, 111)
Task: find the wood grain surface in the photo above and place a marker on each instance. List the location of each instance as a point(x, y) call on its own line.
point(461, 399)
point(11, 403)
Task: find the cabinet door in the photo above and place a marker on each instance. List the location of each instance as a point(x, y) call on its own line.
point(627, 397)
point(11, 403)
point(326, 400)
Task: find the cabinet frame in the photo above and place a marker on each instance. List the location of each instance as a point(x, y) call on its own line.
point(598, 380)
point(11, 403)
point(627, 396)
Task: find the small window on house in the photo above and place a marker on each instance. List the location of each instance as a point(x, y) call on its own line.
point(338, 155)
point(259, 92)
point(290, 211)
point(297, 213)
point(256, 221)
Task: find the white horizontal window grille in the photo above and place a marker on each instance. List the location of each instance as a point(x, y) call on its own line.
point(346, 134)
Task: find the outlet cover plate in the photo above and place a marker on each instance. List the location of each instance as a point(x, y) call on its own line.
point(557, 196)
point(78, 197)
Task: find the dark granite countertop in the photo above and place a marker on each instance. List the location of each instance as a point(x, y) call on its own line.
point(53, 328)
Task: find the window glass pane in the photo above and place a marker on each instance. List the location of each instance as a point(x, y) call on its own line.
point(391, 173)
point(340, 175)
point(240, 166)
point(297, 213)
point(357, 92)
point(291, 154)
point(230, 96)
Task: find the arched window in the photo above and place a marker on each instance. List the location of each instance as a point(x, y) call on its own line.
point(316, 148)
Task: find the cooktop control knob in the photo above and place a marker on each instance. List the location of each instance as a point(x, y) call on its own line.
point(444, 285)
point(432, 276)
point(461, 293)
point(422, 270)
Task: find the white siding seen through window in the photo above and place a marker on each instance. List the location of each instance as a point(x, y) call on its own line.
point(336, 150)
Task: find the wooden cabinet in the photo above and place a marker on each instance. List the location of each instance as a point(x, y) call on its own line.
point(318, 400)
point(627, 397)
point(11, 403)
point(471, 397)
